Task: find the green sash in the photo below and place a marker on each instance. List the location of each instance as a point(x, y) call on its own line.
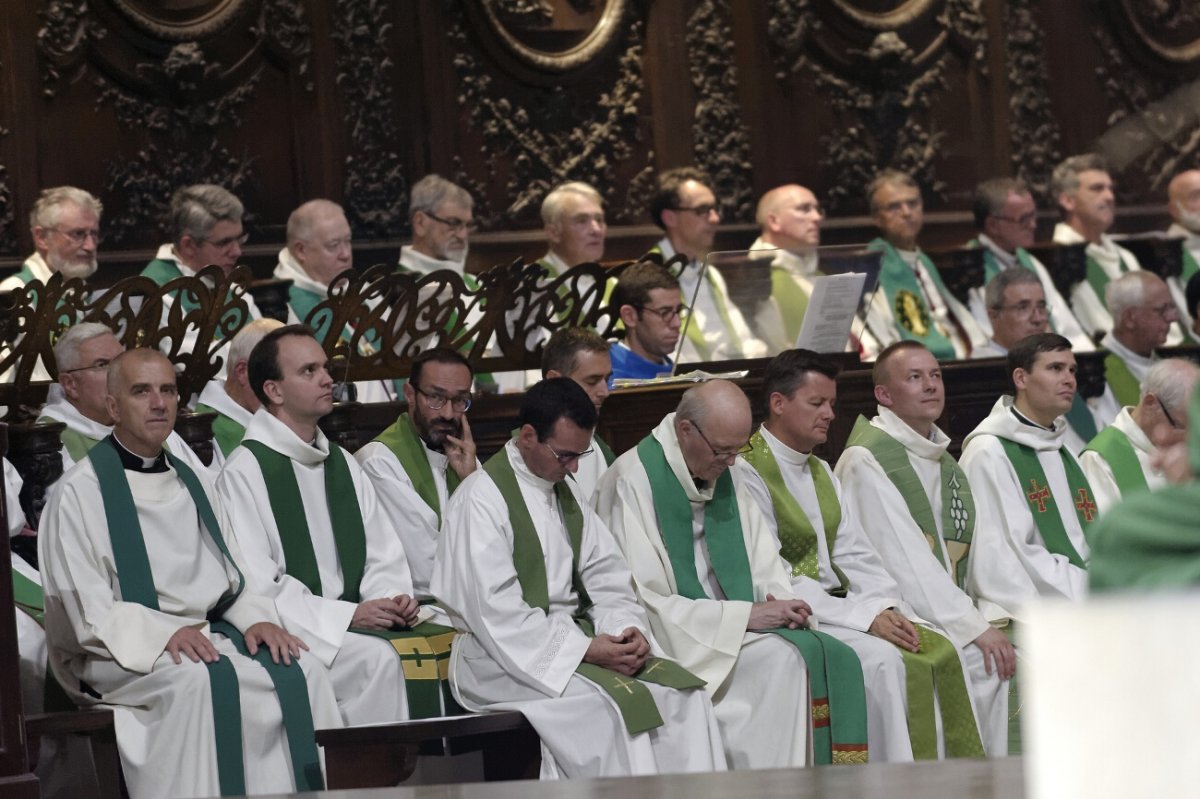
point(632, 698)
point(226, 431)
point(137, 585)
point(1125, 386)
point(1098, 279)
point(25, 275)
point(834, 671)
point(75, 442)
point(404, 442)
point(697, 336)
point(1042, 503)
point(1079, 416)
point(605, 450)
point(1190, 267)
point(797, 537)
point(958, 504)
point(791, 299)
point(914, 320)
point(27, 595)
point(1118, 452)
point(936, 668)
point(424, 653)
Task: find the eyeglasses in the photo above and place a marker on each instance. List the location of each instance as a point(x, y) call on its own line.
point(1164, 311)
point(336, 245)
point(745, 449)
point(78, 236)
point(98, 366)
point(1027, 307)
point(1024, 220)
point(665, 314)
point(699, 210)
point(1170, 419)
point(459, 404)
point(564, 458)
point(454, 223)
point(896, 206)
point(227, 242)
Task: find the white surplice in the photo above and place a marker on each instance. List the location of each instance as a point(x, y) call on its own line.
point(366, 673)
point(511, 655)
point(1100, 474)
point(925, 584)
point(1009, 563)
point(162, 711)
point(709, 636)
point(214, 396)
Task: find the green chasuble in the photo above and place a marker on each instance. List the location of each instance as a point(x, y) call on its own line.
point(136, 579)
point(632, 698)
point(424, 649)
point(914, 318)
point(1118, 452)
point(404, 442)
point(834, 671)
point(1124, 385)
point(226, 431)
point(1043, 504)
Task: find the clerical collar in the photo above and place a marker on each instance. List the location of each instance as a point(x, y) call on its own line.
point(1025, 420)
point(136, 463)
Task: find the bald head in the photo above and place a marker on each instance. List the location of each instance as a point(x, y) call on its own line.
point(1183, 197)
point(142, 400)
point(715, 402)
point(790, 218)
point(712, 424)
point(124, 365)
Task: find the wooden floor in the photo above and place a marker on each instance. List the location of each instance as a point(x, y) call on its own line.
point(961, 779)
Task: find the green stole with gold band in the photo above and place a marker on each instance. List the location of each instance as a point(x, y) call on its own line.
point(402, 439)
point(914, 318)
point(1117, 450)
point(1125, 386)
point(633, 699)
point(1042, 503)
point(424, 650)
point(136, 580)
point(936, 668)
point(835, 674)
point(226, 431)
point(958, 504)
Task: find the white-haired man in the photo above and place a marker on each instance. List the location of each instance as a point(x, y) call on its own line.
point(790, 221)
point(65, 222)
point(442, 223)
point(573, 221)
point(1183, 204)
point(1143, 314)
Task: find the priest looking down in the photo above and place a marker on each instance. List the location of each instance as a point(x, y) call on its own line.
point(790, 221)
point(314, 536)
point(548, 623)
point(650, 304)
point(146, 609)
point(573, 221)
point(418, 462)
point(916, 507)
point(1120, 461)
point(707, 569)
point(911, 302)
point(580, 354)
point(65, 224)
point(1029, 487)
point(835, 568)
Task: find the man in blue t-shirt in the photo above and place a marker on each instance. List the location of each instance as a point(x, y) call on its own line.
point(648, 299)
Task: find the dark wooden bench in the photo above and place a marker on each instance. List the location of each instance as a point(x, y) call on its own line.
point(382, 755)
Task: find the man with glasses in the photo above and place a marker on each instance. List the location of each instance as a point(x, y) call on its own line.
point(582, 355)
point(82, 355)
point(1143, 314)
point(418, 462)
point(315, 538)
point(1119, 461)
point(650, 304)
point(1006, 218)
point(537, 588)
point(708, 571)
point(911, 301)
point(442, 223)
point(65, 222)
point(686, 209)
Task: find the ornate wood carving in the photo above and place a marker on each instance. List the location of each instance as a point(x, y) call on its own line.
point(1066, 263)
point(1163, 256)
point(589, 26)
point(961, 269)
point(722, 141)
point(196, 430)
point(36, 454)
point(1033, 133)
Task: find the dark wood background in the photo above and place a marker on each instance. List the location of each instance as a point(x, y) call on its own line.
point(285, 100)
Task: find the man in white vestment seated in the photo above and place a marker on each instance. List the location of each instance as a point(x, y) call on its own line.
point(836, 570)
point(1143, 314)
point(82, 356)
point(1120, 461)
point(1183, 204)
point(573, 221)
point(582, 355)
point(548, 623)
point(314, 536)
point(1029, 488)
point(1006, 218)
point(440, 213)
point(789, 218)
point(719, 597)
point(686, 209)
point(914, 503)
point(232, 399)
point(65, 224)
point(148, 613)
point(418, 462)
point(911, 302)
point(650, 303)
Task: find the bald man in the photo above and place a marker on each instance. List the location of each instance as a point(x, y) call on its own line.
point(790, 218)
point(707, 568)
point(1183, 203)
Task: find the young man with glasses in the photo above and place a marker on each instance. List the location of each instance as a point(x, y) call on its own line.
point(65, 223)
point(549, 625)
point(1006, 218)
point(418, 462)
point(1118, 462)
point(708, 571)
point(650, 304)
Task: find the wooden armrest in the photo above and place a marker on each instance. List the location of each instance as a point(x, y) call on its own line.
point(418, 730)
point(82, 721)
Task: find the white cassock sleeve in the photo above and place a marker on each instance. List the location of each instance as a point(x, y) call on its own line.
point(1101, 479)
point(924, 582)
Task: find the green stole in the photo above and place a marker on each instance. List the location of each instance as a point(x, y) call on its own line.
point(1125, 386)
point(1079, 416)
point(76, 443)
point(958, 504)
point(27, 595)
point(1098, 279)
point(899, 282)
point(402, 439)
point(1118, 452)
point(1190, 267)
point(605, 450)
point(25, 275)
point(835, 674)
point(226, 431)
point(136, 580)
point(1042, 503)
point(633, 699)
point(693, 332)
point(791, 299)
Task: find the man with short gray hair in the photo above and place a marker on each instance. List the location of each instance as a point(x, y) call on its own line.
point(573, 220)
point(1183, 204)
point(1143, 313)
point(205, 226)
point(442, 223)
point(65, 222)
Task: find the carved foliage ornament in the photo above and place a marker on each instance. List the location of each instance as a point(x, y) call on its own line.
point(1034, 135)
point(1168, 28)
